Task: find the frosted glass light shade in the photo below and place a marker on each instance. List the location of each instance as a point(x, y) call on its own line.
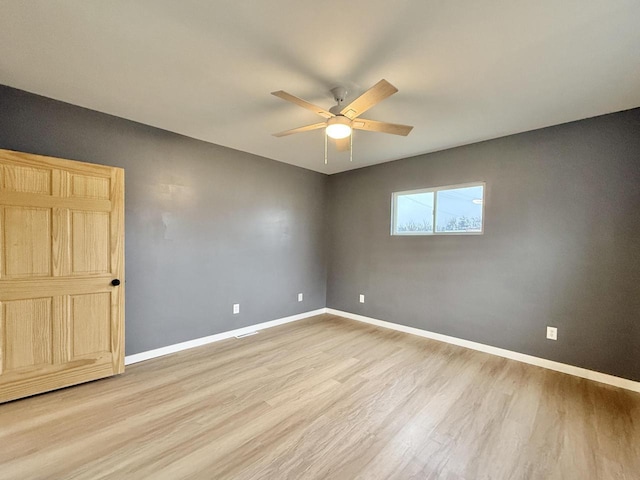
point(338, 127)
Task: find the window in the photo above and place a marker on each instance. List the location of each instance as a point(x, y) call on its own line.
point(453, 209)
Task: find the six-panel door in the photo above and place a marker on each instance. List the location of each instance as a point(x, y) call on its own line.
point(61, 245)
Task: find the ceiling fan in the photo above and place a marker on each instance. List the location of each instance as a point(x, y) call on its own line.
point(340, 120)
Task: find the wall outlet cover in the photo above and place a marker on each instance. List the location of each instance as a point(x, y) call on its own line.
point(300, 297)
point(236, 308)
point(552, 333)
point(361, 298)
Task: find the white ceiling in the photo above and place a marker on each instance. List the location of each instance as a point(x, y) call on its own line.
point(466, 70)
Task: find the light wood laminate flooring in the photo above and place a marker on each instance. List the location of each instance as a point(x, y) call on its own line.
point(326, 398)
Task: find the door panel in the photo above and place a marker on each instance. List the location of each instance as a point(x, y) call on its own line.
point(90, 241)
point(61, 245)
point(84, 186)
point(27, 242)
point(90, 323)
point(28, 334)
point(27, 179)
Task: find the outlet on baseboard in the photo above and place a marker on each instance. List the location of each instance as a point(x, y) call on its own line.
point(361, 298)
point(236, 308)
point(552, 333)
point(300, 297)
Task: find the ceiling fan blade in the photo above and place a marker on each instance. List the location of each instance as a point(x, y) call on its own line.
point(306, 128)
point(368, 99)
point(383, 127)
point(303, 103)
point(343, 144)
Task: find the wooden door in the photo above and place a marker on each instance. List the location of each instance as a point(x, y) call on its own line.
point(61, 247)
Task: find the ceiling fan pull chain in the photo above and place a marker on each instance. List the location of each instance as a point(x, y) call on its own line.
point(325, 146)
point(351, 147)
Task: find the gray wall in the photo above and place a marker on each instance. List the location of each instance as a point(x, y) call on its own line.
point(206, 226)
point(209, 226)
point(561, 245)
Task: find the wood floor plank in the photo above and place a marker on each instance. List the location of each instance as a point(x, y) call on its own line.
point(326, 398)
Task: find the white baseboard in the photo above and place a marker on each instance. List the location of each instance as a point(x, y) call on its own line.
point(500, 352)
point(159, 352)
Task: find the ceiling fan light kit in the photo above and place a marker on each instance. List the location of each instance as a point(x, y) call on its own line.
point(338, 127)
point(339, 124)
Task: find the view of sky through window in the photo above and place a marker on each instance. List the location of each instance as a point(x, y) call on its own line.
point(459, 210)
point(415, 212)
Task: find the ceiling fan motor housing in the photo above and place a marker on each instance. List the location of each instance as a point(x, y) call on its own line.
point(339, 94)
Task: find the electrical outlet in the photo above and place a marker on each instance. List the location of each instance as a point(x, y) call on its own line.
point(300, 297)
point(236, 308)
point(361, 298)
point(552, 333)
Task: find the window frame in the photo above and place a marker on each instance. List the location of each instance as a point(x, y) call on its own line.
point(394, 208)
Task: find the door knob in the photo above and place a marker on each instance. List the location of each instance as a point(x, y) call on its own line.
point(115, 282)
